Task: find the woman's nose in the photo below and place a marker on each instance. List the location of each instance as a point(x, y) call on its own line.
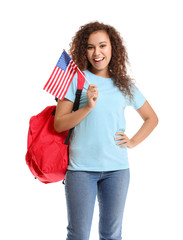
point(96, 51)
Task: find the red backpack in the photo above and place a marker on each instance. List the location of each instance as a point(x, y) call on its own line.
point(47, 150)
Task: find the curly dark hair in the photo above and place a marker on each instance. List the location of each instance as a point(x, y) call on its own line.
point(117, 66)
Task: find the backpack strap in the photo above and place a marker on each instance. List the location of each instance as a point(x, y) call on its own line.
point(80, 84)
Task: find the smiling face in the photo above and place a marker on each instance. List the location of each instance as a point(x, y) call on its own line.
point(99, 53)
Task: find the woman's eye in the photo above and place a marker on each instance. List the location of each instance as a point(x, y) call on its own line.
point(89, 48)
point(102, 46)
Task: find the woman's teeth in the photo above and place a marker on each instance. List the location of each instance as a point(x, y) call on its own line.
point(98, 59)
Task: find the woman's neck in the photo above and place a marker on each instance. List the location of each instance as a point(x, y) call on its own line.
point(101, 73)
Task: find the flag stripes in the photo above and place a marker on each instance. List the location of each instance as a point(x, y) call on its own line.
point(61, 77)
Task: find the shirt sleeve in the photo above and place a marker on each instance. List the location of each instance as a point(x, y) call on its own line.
point(71, 92)
point(138, 98)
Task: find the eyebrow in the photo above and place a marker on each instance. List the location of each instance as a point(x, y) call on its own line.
point(99, 43)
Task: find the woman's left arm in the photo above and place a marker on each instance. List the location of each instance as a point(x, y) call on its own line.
point(150, 122)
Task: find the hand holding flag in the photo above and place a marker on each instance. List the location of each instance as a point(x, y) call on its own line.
point(62, 76)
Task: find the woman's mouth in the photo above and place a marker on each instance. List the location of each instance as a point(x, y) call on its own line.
point(98, 60)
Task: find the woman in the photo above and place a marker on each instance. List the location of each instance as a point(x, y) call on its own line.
point(98, 162)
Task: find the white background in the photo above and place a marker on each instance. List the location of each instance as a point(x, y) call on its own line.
point(33, 34)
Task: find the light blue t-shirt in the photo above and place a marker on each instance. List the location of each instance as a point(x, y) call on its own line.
point(92, 144)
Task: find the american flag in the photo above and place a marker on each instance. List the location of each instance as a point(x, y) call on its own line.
point(61, 77)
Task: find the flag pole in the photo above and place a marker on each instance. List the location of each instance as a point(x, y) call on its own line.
point(84, 76)
point(81, 73)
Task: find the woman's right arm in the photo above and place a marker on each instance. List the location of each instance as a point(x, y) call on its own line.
point(66, 119)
